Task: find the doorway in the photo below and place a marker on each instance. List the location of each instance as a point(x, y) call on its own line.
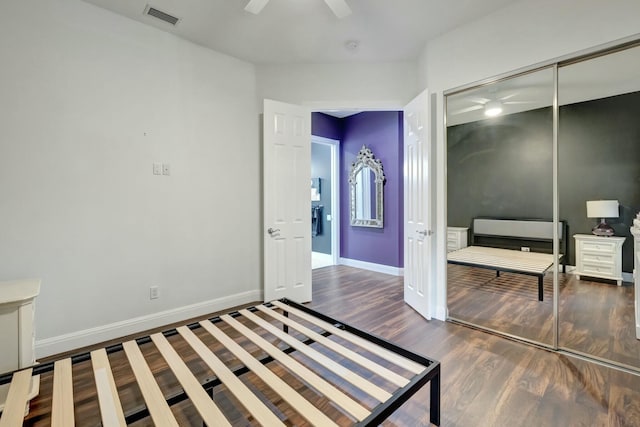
point(325, 202)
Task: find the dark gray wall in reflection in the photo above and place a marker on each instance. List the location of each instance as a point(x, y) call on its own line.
point(502, 167)
point(599, 158)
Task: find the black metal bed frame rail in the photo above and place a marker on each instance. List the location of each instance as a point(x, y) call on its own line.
point(380, 413)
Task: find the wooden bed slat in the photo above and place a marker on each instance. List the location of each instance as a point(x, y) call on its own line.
point(380, 370)
point(245, 396)
point(156, 403)
point(207, 409)
point(531, 262)
point(344, 373)
point(62, 401)
point(390, 356)
point(109, 402)
point(299, 403)
point(323, 387)
point(17, 399)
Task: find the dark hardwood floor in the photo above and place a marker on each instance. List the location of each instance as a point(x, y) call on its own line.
point(486, 380)
point(595, 317)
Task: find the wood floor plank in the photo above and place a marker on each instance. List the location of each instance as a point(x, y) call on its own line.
point(17, 399)
point(62, 414)
point(306, 409)
point(210, 413)
point(156, 403)
point(109, 401)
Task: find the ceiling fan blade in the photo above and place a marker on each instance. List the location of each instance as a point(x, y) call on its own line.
point(504, 98)
point(467, 110)
point(339, 7)
point(479, 100)
point(255, 6)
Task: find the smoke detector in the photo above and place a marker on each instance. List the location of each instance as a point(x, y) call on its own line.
point(352, 45)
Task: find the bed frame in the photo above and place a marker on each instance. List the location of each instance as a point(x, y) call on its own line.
point(496, 246)
point(336, 368)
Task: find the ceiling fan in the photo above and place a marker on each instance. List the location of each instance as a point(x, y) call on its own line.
point(492, 107)
point(339, 7)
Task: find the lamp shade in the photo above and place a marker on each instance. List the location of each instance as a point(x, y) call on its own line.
point(602, 209)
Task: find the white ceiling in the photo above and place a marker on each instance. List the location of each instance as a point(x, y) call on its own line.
point(306, 31)
point(601, 77)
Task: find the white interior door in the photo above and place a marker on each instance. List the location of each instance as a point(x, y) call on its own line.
point(417, 212)
point(287, 201)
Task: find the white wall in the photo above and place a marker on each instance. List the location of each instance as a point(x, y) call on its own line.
point(88, 101)
point(522, 34)
point(340, 86)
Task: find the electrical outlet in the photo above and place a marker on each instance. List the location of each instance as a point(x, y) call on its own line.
point(153, 292)
point(525, 249)
point(157, 168)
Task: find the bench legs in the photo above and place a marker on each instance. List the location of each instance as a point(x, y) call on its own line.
point(540, 290)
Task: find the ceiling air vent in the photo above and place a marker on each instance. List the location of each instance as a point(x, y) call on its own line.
point(163, 16)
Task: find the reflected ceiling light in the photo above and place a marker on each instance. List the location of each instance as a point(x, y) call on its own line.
point(492, 108)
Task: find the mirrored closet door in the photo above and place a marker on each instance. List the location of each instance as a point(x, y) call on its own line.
point(500, 155)
point(599, 181)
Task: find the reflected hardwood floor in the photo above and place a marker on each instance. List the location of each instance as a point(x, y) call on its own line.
point(595, 317)
point(486, 380)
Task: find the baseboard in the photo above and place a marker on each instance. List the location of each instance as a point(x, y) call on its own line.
point(82, 338)
point(378, 268)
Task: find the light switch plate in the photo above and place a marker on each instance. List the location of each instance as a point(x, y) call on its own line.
point(166, 169)
point(157, 168)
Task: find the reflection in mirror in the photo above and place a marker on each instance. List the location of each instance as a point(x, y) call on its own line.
point(599, 159)
point(500, 206)
point(366, 182)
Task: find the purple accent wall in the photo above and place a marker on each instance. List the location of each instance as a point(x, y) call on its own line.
point(382, 132)
point(326, 126)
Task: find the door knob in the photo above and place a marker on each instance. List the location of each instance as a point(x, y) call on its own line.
point(424, 232)
point(271, 231)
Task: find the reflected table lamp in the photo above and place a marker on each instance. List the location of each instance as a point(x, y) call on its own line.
point(602, 209)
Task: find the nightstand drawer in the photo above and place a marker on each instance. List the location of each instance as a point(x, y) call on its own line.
point(597, 269)
point(600, 259)
point(600, 246)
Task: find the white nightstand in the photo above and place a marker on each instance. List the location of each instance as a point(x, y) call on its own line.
point(456, 238)
point(598, 256)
